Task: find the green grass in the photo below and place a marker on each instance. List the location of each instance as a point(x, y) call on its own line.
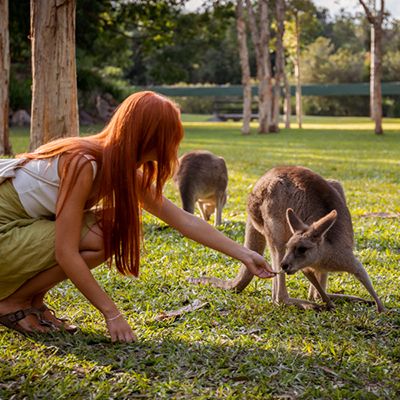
point(241, 346)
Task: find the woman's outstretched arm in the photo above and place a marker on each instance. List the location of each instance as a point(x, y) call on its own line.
point(196, 229)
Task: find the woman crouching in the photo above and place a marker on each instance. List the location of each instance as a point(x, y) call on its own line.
point(49, 231)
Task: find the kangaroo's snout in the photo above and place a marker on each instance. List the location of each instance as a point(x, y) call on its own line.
point(288, 268)
point(285, 266)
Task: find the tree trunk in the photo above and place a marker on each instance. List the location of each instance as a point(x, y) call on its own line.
point(260, 34)
point(287, 107)
point(376, 75)
point(244, 63)
point(376, 20)
point(255, 37)
point(279, 64)
point(372, 74)
point(54, 90)
point(265, 85)
point(5, 147)
point(297, 74)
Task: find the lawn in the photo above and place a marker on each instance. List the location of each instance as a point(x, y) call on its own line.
point(239, 346)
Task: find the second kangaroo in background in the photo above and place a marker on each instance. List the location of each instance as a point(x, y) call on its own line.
point(307, 225)
point(202, 177)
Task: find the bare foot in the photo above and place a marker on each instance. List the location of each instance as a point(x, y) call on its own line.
point(49, 316)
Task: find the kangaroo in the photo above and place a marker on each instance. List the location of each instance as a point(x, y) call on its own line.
point(305, 222)
point(202, 177)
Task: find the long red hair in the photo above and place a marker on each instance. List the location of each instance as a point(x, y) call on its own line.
point(145, 122)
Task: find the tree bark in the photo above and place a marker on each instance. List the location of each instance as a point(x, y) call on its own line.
point(372, 74)
point(287, 107)
point(54, 90)
point(376, 21)
point(265, 111)
point(260, 34)
point(255, 37)
point(5, 147)
point(244, 63)
point(279, 64)
point(297, 74)
point(377, 78)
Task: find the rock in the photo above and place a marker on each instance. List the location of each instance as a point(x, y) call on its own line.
point(21, 118)
point(85, 118)
point(105, 106)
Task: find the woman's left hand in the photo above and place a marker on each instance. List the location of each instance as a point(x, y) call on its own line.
point(257, 265)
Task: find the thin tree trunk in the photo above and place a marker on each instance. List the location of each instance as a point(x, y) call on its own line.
point(260, 36)
point(54, 90)
point(279, 64)
point(377, 111)
point(265, 86)
point(5, 147)
point(376, 20)
point(297, 74)
point(244, 63)
point(255, 37)
point(372, 74)
point(287, 106)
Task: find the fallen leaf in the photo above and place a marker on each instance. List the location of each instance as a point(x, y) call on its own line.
point(183, 310)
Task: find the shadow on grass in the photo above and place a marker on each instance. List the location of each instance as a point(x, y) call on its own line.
point(262, 367)
point(229, 228)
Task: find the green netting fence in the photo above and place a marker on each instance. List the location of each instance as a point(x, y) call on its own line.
point(341, 89)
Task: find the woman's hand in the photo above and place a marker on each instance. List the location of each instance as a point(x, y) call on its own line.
point(257, 265)
point(120, 330)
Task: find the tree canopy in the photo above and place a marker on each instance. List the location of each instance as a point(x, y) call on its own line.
point(149, 42)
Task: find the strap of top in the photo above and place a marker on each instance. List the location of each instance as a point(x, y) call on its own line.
point(54, 184)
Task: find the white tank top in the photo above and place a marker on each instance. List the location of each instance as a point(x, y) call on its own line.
point(37, 185)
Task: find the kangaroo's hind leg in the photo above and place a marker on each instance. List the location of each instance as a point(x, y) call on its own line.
point(201, 207)
point(361, 274)
point(219, 207)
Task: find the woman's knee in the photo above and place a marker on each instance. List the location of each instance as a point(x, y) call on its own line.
point(93, 240)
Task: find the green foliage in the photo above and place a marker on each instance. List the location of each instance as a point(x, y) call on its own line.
point(19, 26)
point(347, 31)
point(149, 42)
point(391, 66)
point(20, 92)
point(200, 105)
point(199, 47)
point(321, 64)
point(91, 83)
point(242, 346)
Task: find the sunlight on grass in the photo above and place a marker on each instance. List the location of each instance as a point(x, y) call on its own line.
point(312, 123)
point(241, 346)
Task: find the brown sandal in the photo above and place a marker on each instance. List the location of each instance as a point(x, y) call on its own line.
point(11, 320)
point(63, 321)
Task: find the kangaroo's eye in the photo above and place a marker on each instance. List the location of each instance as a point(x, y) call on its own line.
point(301, 249)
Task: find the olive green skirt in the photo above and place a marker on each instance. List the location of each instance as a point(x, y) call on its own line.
point(27, 245)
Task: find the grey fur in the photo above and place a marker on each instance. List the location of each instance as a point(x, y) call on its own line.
point(307, 226)
point(202, 178)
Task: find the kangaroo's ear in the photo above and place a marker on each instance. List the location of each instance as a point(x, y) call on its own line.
point(322, 226)
point(294, 222)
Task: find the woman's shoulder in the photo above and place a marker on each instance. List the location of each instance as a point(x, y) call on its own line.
point(79, 162)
